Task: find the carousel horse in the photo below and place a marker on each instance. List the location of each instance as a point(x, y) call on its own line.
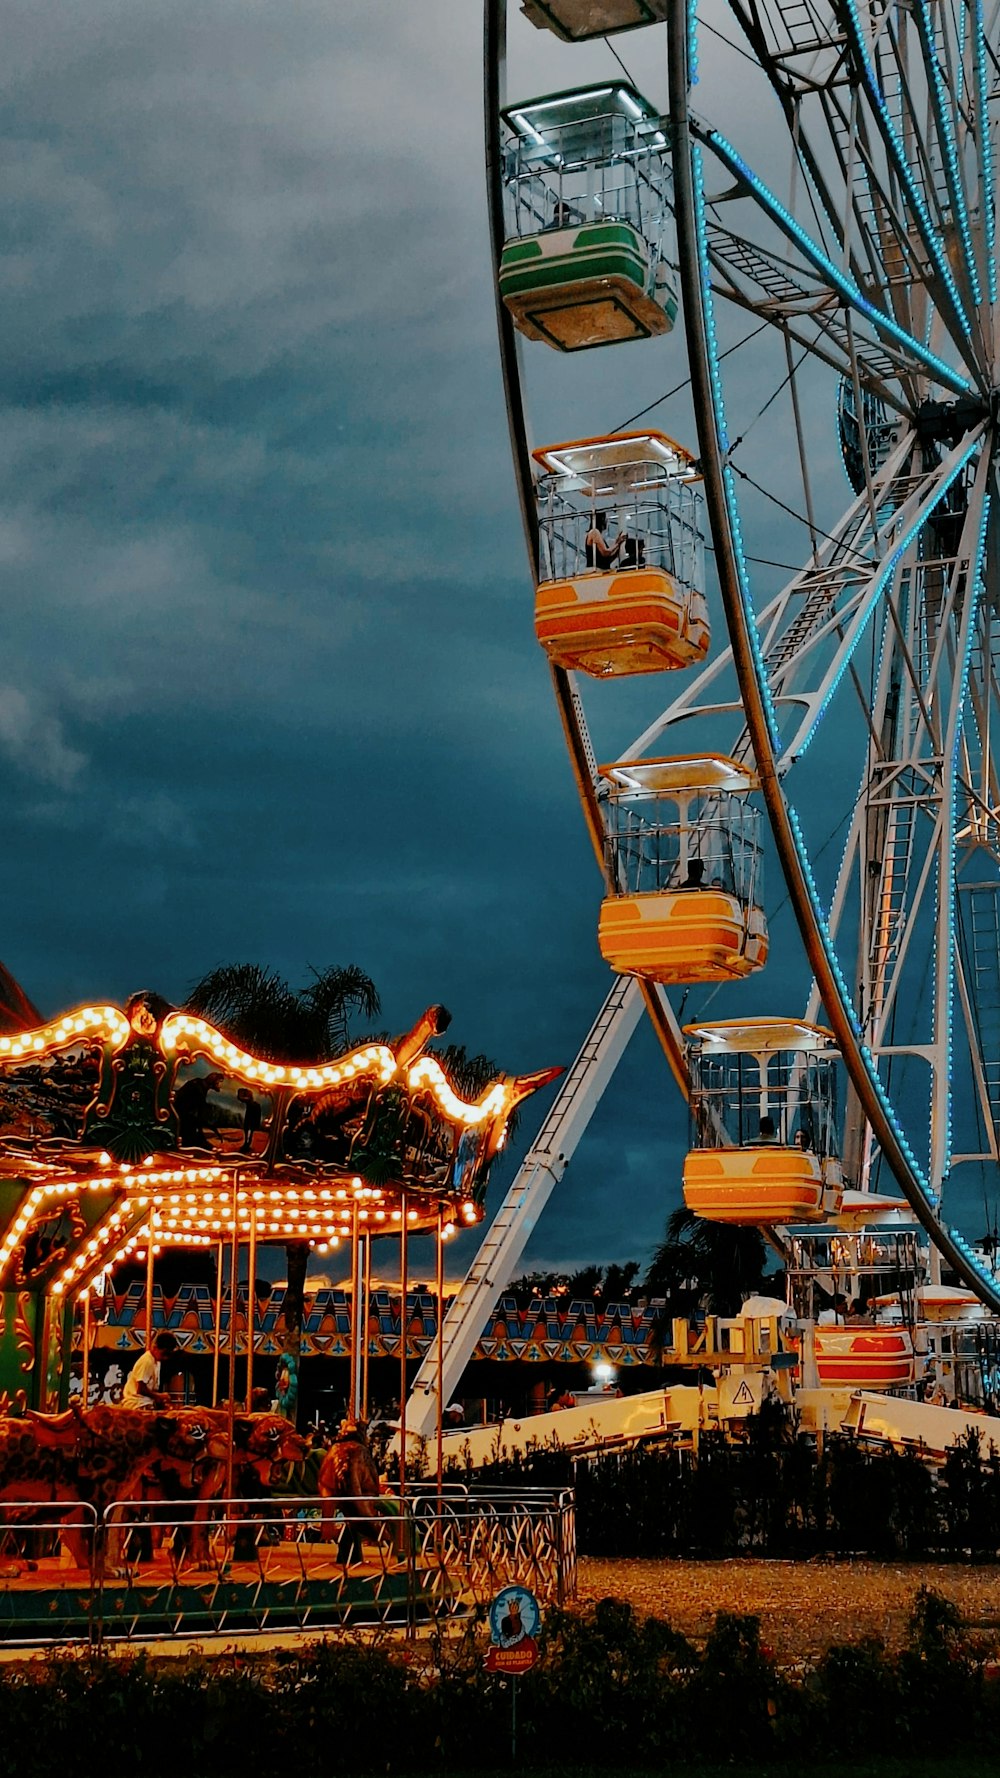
point(348, 1475)
point(100, 1457)
point(261, 1442)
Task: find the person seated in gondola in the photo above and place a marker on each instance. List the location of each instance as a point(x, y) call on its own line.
point(563, 216)
point(695, 878)
point(766, 1131)
point(632, 553)
point(600, 553)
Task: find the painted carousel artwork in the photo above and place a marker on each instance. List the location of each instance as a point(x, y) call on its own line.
point(123, 1126)
point(124, 1131)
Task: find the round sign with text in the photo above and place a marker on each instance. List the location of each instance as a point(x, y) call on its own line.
point(515, 1619)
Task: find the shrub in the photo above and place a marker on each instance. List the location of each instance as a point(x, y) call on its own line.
point(611, 1690)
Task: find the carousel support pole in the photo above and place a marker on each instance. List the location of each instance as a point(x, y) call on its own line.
point(366, 1274)
point(354, 1386)
point(403, 1257)
point(149, 1279)
point(440, 1356)
point(85, 1379)
point(251, 1305)
point(217, 1347)
point(234, 1273)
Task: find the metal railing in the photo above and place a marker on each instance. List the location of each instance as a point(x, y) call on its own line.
point(149, 1572)
point(47, 1574)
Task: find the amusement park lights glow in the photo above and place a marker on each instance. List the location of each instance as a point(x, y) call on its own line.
point(431, 1149)
point(186, 1036)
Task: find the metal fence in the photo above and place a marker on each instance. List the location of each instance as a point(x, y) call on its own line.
point(229, 1568)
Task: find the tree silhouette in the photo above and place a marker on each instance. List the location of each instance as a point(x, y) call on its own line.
point(258, 1009)
point(714, 1265)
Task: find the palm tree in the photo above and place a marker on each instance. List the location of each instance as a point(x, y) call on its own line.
point(257, 1008)
point(713, 1262)
point(618, 1281)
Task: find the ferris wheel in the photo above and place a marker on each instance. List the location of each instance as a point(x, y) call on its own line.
point(856, 707)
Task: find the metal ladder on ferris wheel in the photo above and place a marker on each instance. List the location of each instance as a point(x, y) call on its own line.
point(540, 1171)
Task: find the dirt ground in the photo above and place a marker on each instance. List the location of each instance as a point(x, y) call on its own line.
point(803, 1606)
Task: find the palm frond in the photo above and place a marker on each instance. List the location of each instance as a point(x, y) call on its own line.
point(330, 999)
point(252, 1005)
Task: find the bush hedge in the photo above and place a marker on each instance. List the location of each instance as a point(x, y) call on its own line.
point(775, 1494)
point(611, 1692)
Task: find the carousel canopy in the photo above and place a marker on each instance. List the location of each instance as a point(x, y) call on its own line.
point(123, 1125)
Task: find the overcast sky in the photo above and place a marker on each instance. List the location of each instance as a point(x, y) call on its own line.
point(269, 687)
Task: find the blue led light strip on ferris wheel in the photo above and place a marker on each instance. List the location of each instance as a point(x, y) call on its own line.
point(846, 286)
point(902, 165)
point(972, 594)
point(953, 170)
point(985, 155)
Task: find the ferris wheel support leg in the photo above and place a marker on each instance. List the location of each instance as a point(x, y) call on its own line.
point(540, 1171)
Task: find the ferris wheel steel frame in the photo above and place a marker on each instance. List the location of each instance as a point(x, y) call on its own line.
point(816, 623)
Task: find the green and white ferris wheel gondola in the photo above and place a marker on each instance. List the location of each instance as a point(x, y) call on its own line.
point(877, 262)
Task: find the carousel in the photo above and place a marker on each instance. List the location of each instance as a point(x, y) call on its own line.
point(128, 1130)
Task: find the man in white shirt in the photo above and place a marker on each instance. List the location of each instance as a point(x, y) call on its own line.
point(142, 1387)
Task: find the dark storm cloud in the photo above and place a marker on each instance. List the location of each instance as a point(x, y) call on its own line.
point(269, 686)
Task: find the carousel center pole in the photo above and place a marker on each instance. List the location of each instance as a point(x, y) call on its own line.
point(149, 1277)
point(354, 1385)
point(217, 1347)
point(85, 1378)
point(440, 1355)
point(403, 1232)
point(366, 1293)
point(234, 1271)
point(251, 1305)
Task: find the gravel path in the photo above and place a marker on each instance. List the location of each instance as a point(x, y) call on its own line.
point(803, 1606)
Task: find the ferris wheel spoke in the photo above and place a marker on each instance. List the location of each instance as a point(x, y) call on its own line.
point(899, 862)
point(779, 295)
point(977, 976)
point(902, 104)
point(829, 602)
point(984, 154)
point(950, 121)
point(904, 527)
point(836, 280)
